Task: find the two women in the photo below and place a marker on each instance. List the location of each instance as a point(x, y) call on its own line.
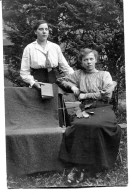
point(91, 142)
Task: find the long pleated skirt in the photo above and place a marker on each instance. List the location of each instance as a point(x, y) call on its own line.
point(92, 141)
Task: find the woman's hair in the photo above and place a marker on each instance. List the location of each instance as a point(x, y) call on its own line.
point(38, 22)
point(86, 51)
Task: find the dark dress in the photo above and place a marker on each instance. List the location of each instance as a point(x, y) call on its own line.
point(94, 141)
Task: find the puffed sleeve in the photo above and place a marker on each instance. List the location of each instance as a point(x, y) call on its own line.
point(63, 63)
point(25, 67)
point(108, 85)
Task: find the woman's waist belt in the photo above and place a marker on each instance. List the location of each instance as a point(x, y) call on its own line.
point(42, 75)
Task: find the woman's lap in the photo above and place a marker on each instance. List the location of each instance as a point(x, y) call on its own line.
point(92, 140)
point(101, 115)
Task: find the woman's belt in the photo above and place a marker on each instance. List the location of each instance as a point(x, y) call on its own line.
point(42, 75)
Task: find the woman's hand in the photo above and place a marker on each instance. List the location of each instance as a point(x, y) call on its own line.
point(82, 96)
point(37, 85)
point(106, 94)
point(75, 90)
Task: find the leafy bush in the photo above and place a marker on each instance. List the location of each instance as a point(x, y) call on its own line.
point(74, 24)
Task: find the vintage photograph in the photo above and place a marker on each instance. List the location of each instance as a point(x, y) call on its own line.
point(64, 93)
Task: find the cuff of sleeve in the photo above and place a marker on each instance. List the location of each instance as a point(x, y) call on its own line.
point(32, 83)
point(93, 95)
point(87, 95)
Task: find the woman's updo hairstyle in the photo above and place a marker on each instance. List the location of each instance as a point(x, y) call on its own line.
point(86, 51)
point(39, 22)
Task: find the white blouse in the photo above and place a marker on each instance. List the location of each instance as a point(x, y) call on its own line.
point(34, 56)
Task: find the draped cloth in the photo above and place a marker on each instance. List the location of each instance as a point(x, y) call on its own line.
point(33, 134)
point(92, 142)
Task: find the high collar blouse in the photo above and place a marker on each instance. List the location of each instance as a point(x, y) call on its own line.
point(34, 56)
point(91, 83)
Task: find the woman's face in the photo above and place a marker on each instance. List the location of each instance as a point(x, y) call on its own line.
point(88, 62)
point(42, 32)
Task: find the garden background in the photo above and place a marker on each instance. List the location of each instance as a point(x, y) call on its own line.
point(97, 24)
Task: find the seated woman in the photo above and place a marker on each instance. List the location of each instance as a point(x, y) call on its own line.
point(91, 143)
point(43, 60)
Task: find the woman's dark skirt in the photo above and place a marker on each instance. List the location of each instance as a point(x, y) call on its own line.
point(92, 141)
point(42, 75)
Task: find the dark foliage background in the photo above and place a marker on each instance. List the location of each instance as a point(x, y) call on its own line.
point(97, 24)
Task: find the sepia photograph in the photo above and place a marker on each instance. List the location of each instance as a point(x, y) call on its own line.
point(64, 72)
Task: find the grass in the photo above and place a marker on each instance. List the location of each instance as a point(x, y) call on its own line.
point(117, 176)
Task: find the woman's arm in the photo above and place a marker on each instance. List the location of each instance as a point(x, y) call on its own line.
point(25, 67)
point(63, 63)
point(96, 95)
point(71, 82)
point(108, 86)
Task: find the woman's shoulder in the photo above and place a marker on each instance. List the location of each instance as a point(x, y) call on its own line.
point(54, 45)
point(103, 72)
point(105, 75)
point(30, 45)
